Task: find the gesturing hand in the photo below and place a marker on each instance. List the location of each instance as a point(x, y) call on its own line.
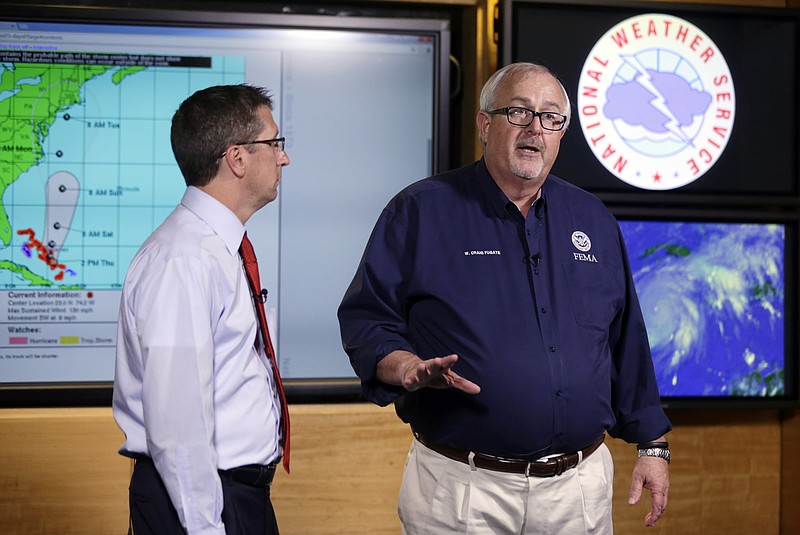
point(435, 373)
point(412, 373)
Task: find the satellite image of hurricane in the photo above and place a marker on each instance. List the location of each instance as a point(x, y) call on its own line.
point(712, 295)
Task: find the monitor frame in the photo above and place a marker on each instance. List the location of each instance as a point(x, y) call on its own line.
point(791, 222)
point(245, 16)
point(622, 193)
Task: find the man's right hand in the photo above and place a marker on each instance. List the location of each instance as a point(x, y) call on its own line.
point(412, 373)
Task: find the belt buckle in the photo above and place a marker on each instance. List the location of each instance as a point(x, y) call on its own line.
point(557, 465)
point(561, 465)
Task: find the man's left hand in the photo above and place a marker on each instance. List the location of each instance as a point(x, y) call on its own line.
point(651, 473)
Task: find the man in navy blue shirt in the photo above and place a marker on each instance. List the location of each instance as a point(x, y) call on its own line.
point(494, 306)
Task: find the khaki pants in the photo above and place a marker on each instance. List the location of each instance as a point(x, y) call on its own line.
point(440, 496)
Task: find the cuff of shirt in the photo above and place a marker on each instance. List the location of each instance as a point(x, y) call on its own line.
point(645, 424)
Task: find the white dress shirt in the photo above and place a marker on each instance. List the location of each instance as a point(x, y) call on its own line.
point(190, 389)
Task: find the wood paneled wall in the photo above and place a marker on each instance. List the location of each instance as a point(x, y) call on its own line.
point(732, 472)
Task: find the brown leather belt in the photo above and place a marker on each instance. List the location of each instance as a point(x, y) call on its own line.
point(554, 466)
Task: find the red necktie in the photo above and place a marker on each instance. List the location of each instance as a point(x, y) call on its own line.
point(251, 268)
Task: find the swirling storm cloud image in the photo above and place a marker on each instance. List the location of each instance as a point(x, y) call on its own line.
point(712, 295)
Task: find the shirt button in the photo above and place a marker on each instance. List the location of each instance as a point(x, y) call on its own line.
point(528, 231)
point(552, 349)
point(544, 310)
point(558, 393)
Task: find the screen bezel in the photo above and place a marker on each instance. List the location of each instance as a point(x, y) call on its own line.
point(791, 221)
point(506, 52)
point(299, 390)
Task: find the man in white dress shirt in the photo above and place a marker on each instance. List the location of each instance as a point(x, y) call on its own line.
point(194, 392)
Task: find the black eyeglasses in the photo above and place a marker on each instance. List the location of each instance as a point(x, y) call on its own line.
point(277, 143)
point(523, 117)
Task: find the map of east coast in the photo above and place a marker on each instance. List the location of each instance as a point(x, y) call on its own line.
point(86, 174)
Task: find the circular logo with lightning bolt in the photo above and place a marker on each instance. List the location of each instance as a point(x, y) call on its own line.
point(656, 101)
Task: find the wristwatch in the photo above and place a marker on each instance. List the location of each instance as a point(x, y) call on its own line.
point(654, 449)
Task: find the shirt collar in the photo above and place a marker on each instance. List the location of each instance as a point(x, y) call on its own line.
point(497, 200)
point(216, 215)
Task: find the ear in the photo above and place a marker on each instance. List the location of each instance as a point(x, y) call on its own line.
point(234, 159)
point(483, 120)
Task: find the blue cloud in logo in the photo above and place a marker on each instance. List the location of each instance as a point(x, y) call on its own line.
point(657, 101)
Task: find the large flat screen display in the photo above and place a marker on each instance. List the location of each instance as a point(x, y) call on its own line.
point(718, 298)
point(670, 100)
point(86, 169)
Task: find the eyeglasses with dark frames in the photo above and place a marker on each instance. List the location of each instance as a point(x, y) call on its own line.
point(276, 143)
point(519, 116)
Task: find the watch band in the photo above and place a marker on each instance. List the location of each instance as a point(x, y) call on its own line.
point(663, 453)
point(646, 445)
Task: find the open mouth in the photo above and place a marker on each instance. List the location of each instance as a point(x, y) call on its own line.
point(529, 150)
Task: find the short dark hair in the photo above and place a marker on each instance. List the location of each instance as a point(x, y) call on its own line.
point(210, 121)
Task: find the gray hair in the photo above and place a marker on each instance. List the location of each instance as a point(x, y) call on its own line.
point(488, 97)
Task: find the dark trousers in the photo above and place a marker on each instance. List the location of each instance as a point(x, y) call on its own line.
point(247, 510)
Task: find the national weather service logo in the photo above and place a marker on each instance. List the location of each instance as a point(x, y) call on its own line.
point(656, 102)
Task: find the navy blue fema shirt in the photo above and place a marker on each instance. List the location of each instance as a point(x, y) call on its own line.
point(541, 311)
